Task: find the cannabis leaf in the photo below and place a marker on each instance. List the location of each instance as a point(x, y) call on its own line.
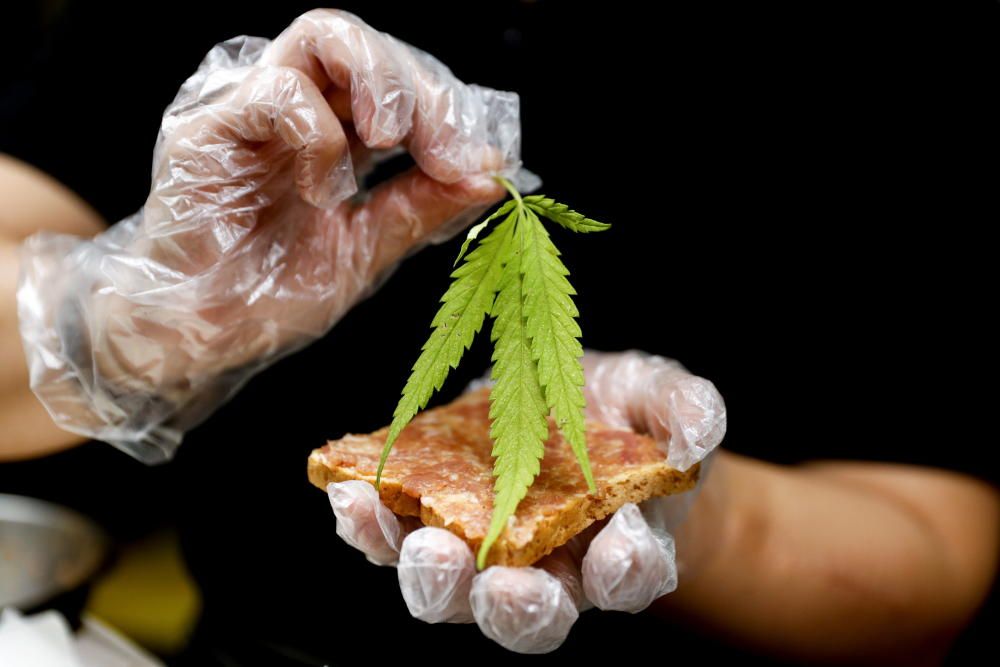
point(555, 336)
point(517, 408)
point(474, 232)
point(463, 309)
point(563, 215)
point(516, 276)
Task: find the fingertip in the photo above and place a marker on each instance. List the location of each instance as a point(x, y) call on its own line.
point(344, 495)
point(301, 117)
point(382, 123)
point(524, 609)
point(364, 522)
point(435, 571)
point(340, 51)
point(451, 162)
point(627, 566)
point(383, 99)
point(697, 421)
point(477, 190)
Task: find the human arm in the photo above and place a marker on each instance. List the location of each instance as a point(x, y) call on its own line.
point(33, 202)
point(835, 561)
point(255, 239)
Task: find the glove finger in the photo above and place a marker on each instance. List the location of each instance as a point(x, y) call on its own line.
point(364, 522)
point(436, 569)
point(690, 411)
point(287, 102)
point(396, 94)
point(337, 48)
point(524, 609)
point(460, 130)
point(657, 396)
point(615, 379)
point(409, 210)
point(227, 154)
point(627, 565)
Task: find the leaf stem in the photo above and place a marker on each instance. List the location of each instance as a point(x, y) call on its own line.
point(510, 188)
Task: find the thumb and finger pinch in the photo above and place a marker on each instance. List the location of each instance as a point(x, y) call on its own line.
point(228, 265)
point(395, 94)
point(241, 137)
point(231, 169)
point(226, 159)
point(225, 139)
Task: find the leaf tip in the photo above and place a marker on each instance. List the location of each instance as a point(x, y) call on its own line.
point(588, 474)
point(484, 550)
point(389, 440)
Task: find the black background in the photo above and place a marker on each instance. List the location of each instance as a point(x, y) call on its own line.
point(792, 192)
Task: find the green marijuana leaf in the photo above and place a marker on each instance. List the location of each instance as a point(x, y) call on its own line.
point(514, 275)
point(555, 336)
point(563, 215)
point(517, 408)
point(463, 309)
point(474, 232)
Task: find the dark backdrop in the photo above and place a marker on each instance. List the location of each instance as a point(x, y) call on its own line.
point(779, 181)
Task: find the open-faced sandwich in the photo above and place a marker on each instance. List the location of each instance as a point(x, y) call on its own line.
point(441, 471)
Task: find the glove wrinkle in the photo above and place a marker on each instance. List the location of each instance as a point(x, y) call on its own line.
point(248, 247)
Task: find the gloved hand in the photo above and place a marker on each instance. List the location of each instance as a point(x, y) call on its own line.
point(247, 247)
point(622, 564)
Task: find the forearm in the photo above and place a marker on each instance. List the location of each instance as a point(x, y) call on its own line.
point(32, 202)
point(810, 563)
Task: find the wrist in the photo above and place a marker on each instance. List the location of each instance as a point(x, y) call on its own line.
point(711, 524)
point(79, 390)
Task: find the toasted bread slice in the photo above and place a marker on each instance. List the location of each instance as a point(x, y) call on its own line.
point(441, 470)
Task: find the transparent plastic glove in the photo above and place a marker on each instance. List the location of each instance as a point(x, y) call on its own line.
point(624, 563)
point(248, 246)
point(659, 397)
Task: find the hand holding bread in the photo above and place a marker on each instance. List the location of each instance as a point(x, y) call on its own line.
point(623, 564)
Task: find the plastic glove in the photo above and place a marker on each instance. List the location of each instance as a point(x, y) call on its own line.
point(623, 564)
point(246, 248)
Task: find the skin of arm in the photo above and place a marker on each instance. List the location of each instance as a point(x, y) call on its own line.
point(32, 202)
point(823, 562)
point(837, 562)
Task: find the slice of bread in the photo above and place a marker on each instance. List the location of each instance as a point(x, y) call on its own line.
point(441, 470)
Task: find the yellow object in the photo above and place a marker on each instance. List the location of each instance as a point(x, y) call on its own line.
point(148, 595)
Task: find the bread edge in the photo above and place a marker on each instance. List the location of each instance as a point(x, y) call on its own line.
point(633, 486)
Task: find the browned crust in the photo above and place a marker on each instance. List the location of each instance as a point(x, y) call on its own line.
point(634, 486)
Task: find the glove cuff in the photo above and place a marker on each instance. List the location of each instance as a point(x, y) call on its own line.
point(55, 327)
